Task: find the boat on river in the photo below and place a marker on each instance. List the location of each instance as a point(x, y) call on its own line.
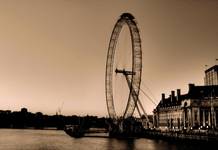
point(74, 131)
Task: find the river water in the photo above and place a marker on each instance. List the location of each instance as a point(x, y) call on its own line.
point(18, 139)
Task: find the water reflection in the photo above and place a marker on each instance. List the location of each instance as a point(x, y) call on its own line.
point(12, 139)
point(120, 144)
point(130, 143)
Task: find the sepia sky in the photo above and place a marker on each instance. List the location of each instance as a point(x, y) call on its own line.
point(53, 52)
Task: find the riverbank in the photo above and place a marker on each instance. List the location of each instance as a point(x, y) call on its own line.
point(193, 135)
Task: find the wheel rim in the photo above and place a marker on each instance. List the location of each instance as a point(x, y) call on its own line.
point(135, 79)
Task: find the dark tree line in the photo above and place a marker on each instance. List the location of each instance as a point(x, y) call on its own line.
point(24, 119)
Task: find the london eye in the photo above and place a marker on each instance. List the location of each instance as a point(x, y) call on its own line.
point(131, 74)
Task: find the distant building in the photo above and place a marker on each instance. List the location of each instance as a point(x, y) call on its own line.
point(195, 110)
point(211, 76)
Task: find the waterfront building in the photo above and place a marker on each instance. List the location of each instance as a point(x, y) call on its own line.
point(211, 76)
point(197, 109)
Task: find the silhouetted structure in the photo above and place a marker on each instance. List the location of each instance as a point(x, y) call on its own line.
point(125, 125)
point(24, 119)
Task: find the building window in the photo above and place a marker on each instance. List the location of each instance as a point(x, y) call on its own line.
point(206, 117)
point(216, 111)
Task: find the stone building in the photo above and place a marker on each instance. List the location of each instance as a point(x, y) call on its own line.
point(198, 109)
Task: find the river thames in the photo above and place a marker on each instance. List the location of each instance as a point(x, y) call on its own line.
point(27, 139)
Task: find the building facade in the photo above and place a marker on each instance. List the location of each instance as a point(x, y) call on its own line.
point(211, 76)
point(195, 110)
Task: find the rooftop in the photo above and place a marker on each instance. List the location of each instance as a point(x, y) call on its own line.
point(215, 67)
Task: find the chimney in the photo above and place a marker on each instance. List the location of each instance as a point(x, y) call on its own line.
point(191, 85)
point(178, 94)
point(163, 98)
point(172, 95)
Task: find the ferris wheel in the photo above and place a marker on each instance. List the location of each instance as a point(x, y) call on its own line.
point(132, 74)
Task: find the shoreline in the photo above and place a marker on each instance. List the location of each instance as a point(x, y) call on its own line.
point(32, 128)
point(192, 136)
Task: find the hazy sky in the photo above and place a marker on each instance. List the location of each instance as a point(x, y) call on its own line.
point(54, 51)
